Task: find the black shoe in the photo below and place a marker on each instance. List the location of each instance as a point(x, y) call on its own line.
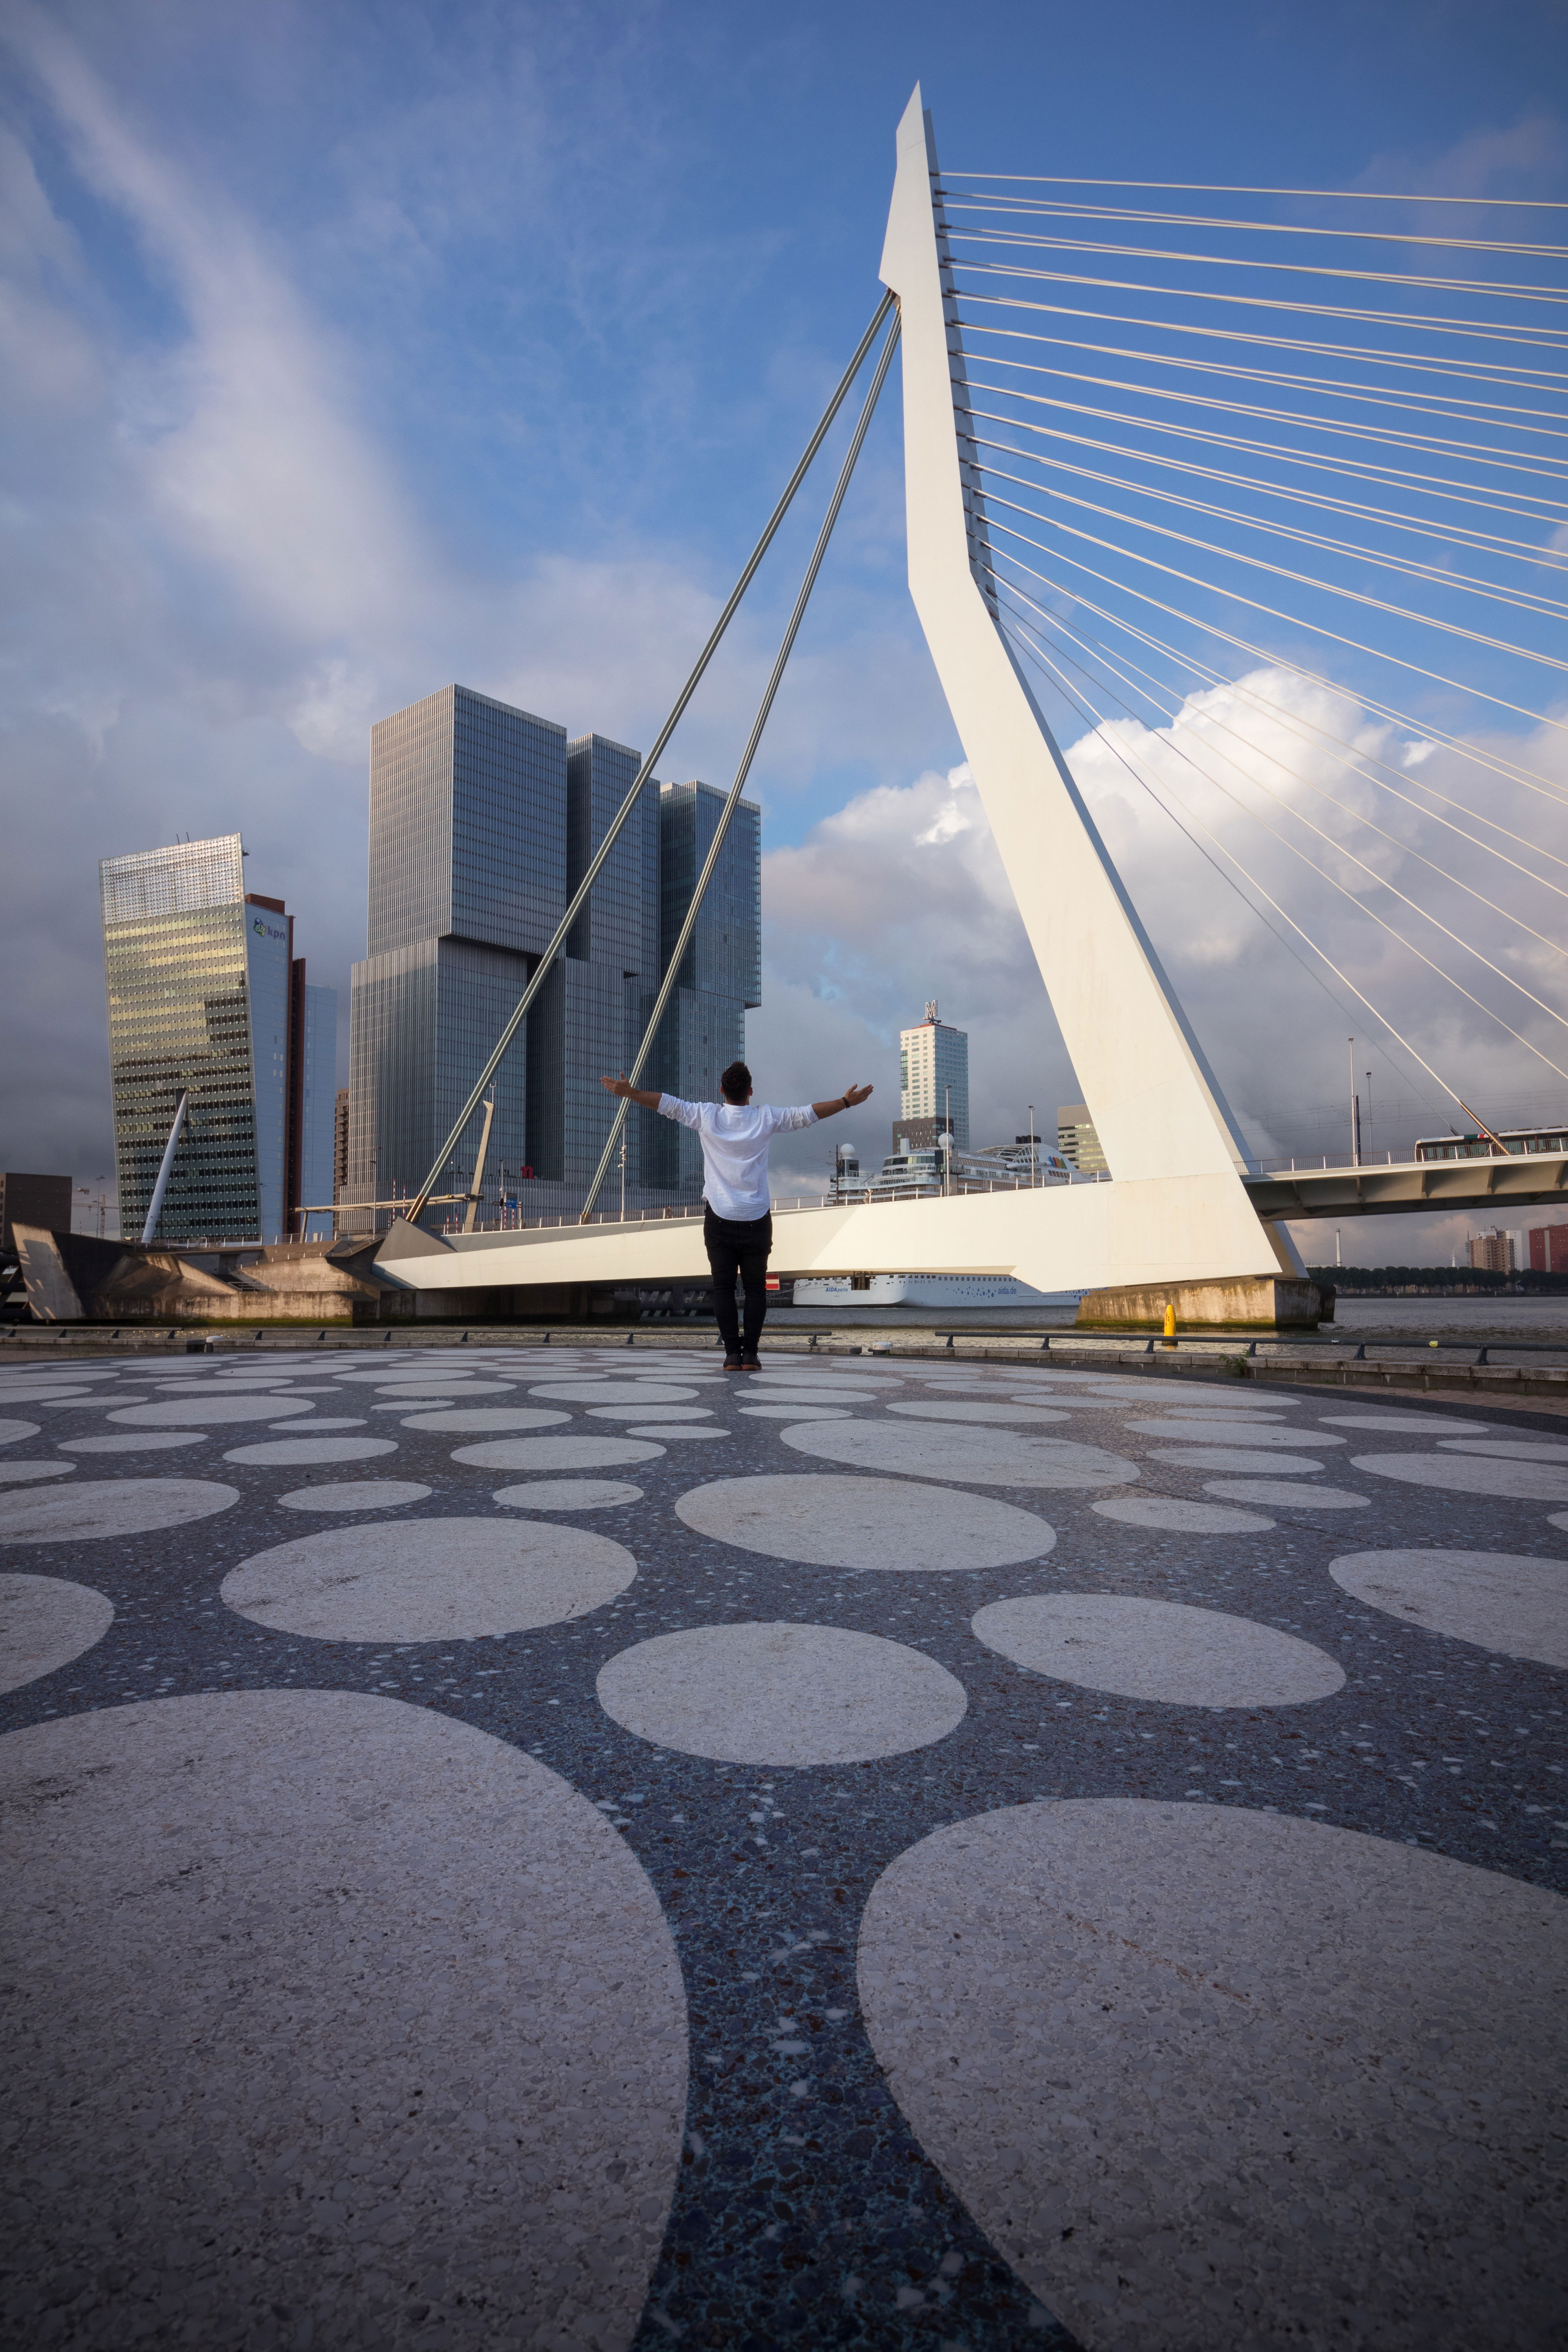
point(732, 1364)
point(752, 1363)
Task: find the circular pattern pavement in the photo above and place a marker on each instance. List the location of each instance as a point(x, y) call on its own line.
point(557, 1453)
point(288, 1451)
point(780, 1695)
point(11, 1431)
point(429, 1579)
point(492, 1416)
point(21, 1474)
point(1234, 1432)
point(1176, 1516)
point(1157, 1650)
point(956, 1409)
point(1223, 1457)
point(46, 1621)
point(1541, 1481)
point(985, 1457)
point(118, 1507)
point(355, 1495)
point(1514, 1604)
point(252, 1908)
point(1216, 2078)
point(191, 1412)
point(135, 1441)
point(1279, 1492)
point(567, 1495)
point(870, 1523)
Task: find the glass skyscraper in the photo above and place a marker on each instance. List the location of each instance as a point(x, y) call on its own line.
point(934, 1077)
point(483, 819)
point(201, 988)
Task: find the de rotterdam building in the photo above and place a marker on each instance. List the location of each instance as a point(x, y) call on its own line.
point(483, 819)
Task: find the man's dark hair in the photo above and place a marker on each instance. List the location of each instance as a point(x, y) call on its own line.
point(736, 1083)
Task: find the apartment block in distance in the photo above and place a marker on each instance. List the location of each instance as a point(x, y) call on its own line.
point(206, 998)
point(933, 1079)
point(483, 819)
point(1549, 1249)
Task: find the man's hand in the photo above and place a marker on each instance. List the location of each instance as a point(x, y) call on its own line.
point(651, 1101)
point(846, 1101)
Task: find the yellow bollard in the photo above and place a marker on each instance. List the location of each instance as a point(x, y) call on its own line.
point(1171, 1325)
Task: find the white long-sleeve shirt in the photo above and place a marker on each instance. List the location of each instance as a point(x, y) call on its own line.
point(735, 1140)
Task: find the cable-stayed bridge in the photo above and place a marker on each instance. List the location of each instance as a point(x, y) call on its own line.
point(1204, 483)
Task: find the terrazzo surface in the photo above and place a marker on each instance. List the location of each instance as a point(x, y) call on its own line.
point(877, 1853)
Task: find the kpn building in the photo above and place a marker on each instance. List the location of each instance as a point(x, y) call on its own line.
point(207, 998)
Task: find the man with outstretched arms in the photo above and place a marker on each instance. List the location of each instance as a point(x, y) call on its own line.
point(737, 1223)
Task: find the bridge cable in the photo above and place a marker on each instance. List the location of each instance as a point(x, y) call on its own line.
point(1206, 188)
point(667, 988)
point(1280, 716)
point(1455, 744)
point(991, 207)
point(1168, 726)
point(1480, 1006)
point(580, 897)
point(1455, 534)
point(1312, 943)
point(1086, 711)
point(1522, 600)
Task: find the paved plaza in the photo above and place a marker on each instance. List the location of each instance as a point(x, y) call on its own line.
point(564, 1847)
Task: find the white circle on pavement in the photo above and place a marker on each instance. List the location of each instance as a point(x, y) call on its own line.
point(429, 1579)
point(1509, 1603)
point(672, 1429)
point(567, 1495)
point(795, 1411)
point(287, 1450)
point(1431, 1423)
point(1452, 1473)
point(557, 1453)
point(985, 1457)
point(389, 1879)
point(1152, 2045)
point(355, 1495)
point(117, 1507)
point(780, 1695)
point(135, 1441)
point(192, 1411)
point(1278, 1492)
point(325, 1421)
point(22, 1473)
point(1236, 1432)
point(963, 1409)
point(46, 1621)
point(813, 1391)
point(614, 1391)
point(871, 1523)
point(386, 1378)
point(644, 1411)
point(492, 1416)
point(1158, 1650)
point(12, 1431)
point(1180, 1517)
point(1507, 1449)
point(1221, 1458)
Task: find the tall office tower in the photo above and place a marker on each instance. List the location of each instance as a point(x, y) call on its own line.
point(589, 1020)
point(312, 1105)
point(468, 882)
point(198, 984)
point(933, 1077)
point(340, 1144)
point(720, 977)
point(1077, 1141)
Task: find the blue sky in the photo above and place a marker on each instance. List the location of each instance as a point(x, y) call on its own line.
point(359, 349)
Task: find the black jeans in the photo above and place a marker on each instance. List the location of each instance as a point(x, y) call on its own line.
point(737, 1245)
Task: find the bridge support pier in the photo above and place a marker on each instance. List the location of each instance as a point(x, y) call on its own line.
point(1247, 1302)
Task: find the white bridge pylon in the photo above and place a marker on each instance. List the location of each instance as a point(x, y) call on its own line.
point(1177, 1209)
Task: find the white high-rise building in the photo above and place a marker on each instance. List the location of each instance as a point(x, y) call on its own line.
point(934, 1076)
